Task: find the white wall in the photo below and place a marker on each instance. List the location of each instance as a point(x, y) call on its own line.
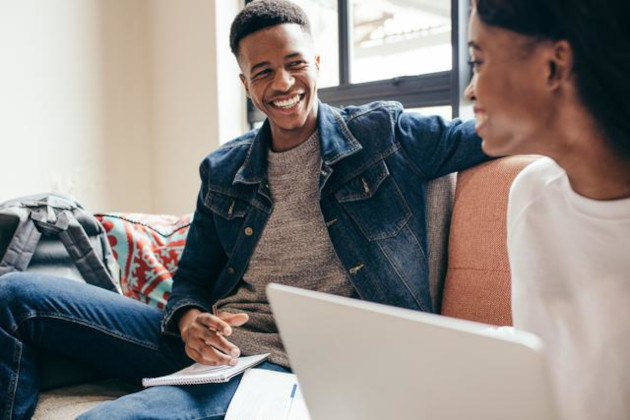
point(197, 103)
point(114, 101)
point(51, 99)
point(231, 94)
point(127, 142)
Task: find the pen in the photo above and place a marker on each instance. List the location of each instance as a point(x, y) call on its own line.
point(292, 398)
point(215, 312)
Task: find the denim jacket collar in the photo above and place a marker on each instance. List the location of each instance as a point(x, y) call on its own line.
point(336, 142)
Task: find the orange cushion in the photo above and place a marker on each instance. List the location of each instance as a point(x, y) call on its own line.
point(477, 285)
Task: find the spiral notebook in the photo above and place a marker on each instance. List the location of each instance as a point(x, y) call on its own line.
point(198, 374)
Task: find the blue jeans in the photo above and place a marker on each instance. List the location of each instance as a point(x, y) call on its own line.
point(113, 333)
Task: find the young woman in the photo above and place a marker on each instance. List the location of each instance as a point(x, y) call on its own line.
point(551, 77)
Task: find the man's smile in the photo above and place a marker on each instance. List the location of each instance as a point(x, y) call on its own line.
point(287, 103)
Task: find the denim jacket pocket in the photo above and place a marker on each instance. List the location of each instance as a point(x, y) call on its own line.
point(229, 215)
point(225, 206)
point(375, 203)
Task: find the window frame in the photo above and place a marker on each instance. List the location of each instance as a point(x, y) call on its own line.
point(427, 90)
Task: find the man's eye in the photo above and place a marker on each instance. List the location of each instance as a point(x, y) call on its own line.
point(297, 64)
point(262, 73)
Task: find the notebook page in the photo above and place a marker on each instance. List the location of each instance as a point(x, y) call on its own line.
point(267, 395)
point(298, 409)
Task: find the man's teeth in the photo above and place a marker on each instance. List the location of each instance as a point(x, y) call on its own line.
point(287, 103)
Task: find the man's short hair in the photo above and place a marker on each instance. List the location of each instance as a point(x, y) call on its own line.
point(261, 14)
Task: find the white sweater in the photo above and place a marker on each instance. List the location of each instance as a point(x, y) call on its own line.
point(570, 263)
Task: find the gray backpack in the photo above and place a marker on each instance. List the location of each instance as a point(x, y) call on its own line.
point(53, 234)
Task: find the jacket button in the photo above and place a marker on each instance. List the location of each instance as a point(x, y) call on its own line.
point(249, 231)
point(230, 270)
point(355, 270)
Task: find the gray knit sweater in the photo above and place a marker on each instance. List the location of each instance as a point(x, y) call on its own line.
point(295, 249)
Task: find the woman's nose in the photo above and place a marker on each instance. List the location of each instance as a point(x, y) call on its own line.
point(469, 93)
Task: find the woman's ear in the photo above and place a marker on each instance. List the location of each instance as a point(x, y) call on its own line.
point(560, 64)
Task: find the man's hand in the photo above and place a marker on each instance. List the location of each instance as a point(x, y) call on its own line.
point(204, 335)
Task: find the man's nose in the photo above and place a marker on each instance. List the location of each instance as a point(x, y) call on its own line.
point(283, 80)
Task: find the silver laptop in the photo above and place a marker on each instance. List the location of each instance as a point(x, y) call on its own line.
point(361, 360)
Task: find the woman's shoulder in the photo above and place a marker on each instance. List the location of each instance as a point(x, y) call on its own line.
point(535, 178)
point(531, 184)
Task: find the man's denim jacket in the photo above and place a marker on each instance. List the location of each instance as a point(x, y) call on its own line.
point(376, 160)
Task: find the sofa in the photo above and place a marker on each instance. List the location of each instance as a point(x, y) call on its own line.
point(469, 275)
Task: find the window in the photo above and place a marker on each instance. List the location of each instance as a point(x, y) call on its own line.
point(326, 37)
point(403, 50)
point(410, 37)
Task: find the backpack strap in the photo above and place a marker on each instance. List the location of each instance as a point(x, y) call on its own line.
point(22, 246)
point(80, 249)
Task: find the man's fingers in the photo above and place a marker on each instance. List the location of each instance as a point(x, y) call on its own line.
point(209, 356)
point(205, 341)
point(214, 323)
point(235, 320)
point(218, 341)
point(193, 354)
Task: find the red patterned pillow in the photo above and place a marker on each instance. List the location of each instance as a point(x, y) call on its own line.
point(148, 248)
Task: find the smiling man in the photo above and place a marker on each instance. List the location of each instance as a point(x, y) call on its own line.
point(320, 198)
point(280, 71)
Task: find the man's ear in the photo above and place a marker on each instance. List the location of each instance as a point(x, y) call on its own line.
point(244, 82)
point(317, 60)
point(560, 64)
